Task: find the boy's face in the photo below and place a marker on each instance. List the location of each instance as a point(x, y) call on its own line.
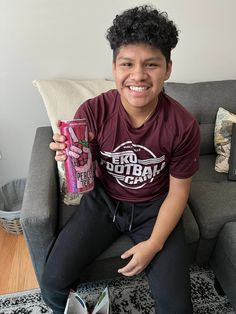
point(140, 71)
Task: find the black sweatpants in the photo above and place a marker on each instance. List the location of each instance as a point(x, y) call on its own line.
point(91, 230)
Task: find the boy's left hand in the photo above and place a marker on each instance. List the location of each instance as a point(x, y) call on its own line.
point(142, 254)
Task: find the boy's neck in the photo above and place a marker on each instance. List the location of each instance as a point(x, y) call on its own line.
point(138, 116)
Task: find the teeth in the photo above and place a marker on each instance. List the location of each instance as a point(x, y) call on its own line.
point(138, 88)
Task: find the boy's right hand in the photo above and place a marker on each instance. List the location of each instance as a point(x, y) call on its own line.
point(59, 147)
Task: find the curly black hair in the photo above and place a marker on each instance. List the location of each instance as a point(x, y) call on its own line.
point(143, 24)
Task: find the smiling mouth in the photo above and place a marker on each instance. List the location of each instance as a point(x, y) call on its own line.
point(138, 88)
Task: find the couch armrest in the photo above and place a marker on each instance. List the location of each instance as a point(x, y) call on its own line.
point(39, 214)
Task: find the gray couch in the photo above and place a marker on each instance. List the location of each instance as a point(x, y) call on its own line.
point(209, 218)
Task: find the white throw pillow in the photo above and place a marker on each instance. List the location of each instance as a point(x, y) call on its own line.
point(61, 99)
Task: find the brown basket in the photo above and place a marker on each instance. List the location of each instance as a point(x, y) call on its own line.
point(11, 226)
point(11, 196)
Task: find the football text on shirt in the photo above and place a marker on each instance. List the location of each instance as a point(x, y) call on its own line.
point(132, 165)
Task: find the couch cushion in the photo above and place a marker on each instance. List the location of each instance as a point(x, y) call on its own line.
point(203, 100)
point(213, 205)
point(207, 171)
point(212, 198)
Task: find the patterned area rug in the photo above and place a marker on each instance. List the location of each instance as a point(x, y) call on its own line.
point(129, 296)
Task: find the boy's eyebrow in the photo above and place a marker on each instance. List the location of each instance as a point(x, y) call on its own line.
point(124, 58)
point(146, 60)
point(154, 59)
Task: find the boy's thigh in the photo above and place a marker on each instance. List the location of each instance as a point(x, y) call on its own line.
point(86, 235)
point(168, 272)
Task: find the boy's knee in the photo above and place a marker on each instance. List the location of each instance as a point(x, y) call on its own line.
point(171, 306)
point(53, 282)
point(53, 293)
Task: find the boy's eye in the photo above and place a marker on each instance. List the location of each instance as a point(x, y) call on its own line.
point(151, 65)
point(126, 64)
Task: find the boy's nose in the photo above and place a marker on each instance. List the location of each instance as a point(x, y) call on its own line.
point(138, 74)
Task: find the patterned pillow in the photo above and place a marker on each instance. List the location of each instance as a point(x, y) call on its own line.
point(223, 134)
point(61, 99)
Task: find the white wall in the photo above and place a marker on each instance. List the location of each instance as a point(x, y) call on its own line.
point(46, 39)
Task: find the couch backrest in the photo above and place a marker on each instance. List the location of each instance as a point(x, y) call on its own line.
point(203, 100)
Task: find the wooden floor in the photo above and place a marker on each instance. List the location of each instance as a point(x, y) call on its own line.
point(16, 270)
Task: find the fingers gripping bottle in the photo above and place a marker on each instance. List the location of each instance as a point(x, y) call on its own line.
point(78, 165)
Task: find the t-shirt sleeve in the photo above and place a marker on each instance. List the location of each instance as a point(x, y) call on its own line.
point(185, 157)
point(84, 112)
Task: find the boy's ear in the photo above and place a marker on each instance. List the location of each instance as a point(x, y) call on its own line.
point(113, 67)
point(168, 70)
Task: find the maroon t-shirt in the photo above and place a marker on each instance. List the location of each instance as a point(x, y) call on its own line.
point(134, 164)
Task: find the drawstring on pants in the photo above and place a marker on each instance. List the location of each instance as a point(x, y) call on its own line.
point(116, 211)
point(131, 217)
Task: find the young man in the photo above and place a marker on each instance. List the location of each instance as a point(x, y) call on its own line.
point(146, 147)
